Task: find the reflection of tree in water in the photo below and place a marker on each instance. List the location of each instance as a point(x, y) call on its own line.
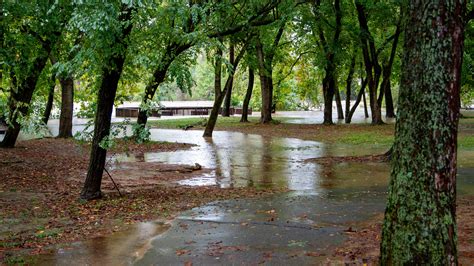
point(326, 173)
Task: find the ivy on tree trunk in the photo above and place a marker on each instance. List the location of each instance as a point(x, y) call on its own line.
point(420, 218)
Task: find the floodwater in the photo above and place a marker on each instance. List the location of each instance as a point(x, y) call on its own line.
point(324, 201)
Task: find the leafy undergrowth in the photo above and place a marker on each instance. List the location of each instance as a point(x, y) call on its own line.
point(39, 195)
point(362, 246)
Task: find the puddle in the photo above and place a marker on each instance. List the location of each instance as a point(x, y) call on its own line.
point(121, 248)
point(245, 160)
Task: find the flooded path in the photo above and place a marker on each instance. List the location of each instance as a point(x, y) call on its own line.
point(303, 225)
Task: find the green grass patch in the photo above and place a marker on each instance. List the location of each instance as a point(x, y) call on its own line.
point(466, 141)
point(48, 233)
point(198, 122)
point(357, 138)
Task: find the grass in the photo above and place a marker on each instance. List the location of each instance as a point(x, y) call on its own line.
point(198, 122)
point(466, 141)
point(353, 134)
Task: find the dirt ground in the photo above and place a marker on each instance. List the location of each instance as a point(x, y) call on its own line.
point(41, 180)
point(362, 246)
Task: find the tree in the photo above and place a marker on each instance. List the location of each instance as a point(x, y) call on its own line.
point(219, 94)
point(420, 222)
point(248, 96)
point(31, 32)
point(371, 56)
point(117, 34)
point(265, 56)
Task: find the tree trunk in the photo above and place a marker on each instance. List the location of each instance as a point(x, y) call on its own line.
point(49, 102)
point(340, 112)
point(328, 91)
point(385, 88)
point(67, 107)
point(356, 104)
point(173, 50)
point(265, 69)
point(158, 78)
point(366, 112)
point(350, 76)
point(372, 67)
point(266, 84)
point(389, 109)
point(20, 99)
point(248, 96)
point(420, 218)
point(105, 103)
point(228, 94)
point(218, 95)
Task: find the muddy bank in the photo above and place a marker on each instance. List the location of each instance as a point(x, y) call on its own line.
point(41, 181)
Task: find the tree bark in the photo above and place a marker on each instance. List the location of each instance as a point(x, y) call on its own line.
point(228, 94)
point(248, 96)
point(420, 218)
point(67, 107)
point(49, 102)
point(105, 103)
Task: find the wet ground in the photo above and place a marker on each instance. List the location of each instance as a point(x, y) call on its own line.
point(301, 226)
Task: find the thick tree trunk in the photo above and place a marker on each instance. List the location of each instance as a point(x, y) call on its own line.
point(248, 96)
point(228, 94)
point(328, 92)
point(67, 107)
point(420, 218)
point(266, 84)
point(105, 103)
point(49, 102)
point(20, 99)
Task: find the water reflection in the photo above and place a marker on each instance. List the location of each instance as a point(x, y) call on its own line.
point(242, 160)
